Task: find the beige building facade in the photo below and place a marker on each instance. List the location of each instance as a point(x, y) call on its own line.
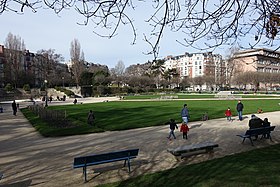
point(258, 60)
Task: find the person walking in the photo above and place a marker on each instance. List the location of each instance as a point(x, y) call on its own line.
point(172, 126)
point(90, 118)
point(239, 108)
point(228, 114)
point(185, 114)
point(14, 107)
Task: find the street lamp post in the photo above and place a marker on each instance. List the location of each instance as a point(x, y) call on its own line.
point(46, 97)
point(63, 82)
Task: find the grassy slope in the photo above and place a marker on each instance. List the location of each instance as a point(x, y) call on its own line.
point(259, 167)
point(137, 114)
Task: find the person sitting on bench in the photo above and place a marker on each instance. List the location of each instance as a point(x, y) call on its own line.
point(255, 122)
point(266, 123)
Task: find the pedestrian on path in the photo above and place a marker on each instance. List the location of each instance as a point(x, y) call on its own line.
point(91, 118)
point(239, 108)
point(172, 126)
point(14, 107)
point(185, 114)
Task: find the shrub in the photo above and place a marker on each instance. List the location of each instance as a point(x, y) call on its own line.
point(8, 88)
point(26, 87)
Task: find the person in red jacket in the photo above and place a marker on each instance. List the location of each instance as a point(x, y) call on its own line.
point(228, 114)
point(184, 128)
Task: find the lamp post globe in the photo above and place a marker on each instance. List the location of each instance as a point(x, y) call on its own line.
point(46, 90)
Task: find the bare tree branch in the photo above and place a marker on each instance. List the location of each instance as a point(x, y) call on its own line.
point(206, 24)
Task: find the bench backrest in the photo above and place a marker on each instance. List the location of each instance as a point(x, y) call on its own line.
point(259, 131)
point(105, 157)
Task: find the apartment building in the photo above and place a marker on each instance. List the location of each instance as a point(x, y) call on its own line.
point(196, 64)
point(258, 60)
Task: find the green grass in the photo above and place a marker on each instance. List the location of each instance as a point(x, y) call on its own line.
point(136, 114)
point(193, 96)
point(48, 130)
point(259, 167)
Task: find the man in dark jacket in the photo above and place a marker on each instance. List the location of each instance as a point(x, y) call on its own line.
point(239, 108)
point(255, 122)
point(14, 107)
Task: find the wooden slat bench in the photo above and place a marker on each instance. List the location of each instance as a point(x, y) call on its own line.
point(207, 146)
point(84, 161)
point(257, 131)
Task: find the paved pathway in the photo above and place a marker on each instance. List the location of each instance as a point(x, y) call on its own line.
point(27, 157)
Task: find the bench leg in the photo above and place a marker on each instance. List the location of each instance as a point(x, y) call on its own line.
point(251, 141)
point(128, 164)
point(85, 173)
point(269, 136)
point(124, 163)
point(243, 140)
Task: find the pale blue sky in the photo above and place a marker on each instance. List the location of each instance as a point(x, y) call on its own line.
point(45, 30)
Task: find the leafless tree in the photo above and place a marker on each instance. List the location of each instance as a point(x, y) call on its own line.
point(198, 81)
point(49, 68)
point(232, 67)
point(117, 73)
point(185, 82)
point(77, 59)
point(210, 82)
point(241, 80)
point(210, 21)
point(120, 68)
point(14, 56)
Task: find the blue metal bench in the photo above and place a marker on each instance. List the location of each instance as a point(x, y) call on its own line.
point(257, 131)
point(96, 159)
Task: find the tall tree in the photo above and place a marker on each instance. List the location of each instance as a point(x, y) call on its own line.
point(232, 67)
point(120, 68)
point(14, 56)
point(50, 68)
point(77, 60)
point(117, 73)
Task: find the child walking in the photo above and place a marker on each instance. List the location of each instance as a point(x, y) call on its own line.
point(228, 114)
point(184, 128)
point(172, 126)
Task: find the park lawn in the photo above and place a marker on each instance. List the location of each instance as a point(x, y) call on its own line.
point(195, 96)
point(48, 130)
point(259, 167)
point(180, 96)
point(124, 115)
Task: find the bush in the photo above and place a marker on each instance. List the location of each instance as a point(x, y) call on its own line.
point(8, 88)
point(26, 87)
